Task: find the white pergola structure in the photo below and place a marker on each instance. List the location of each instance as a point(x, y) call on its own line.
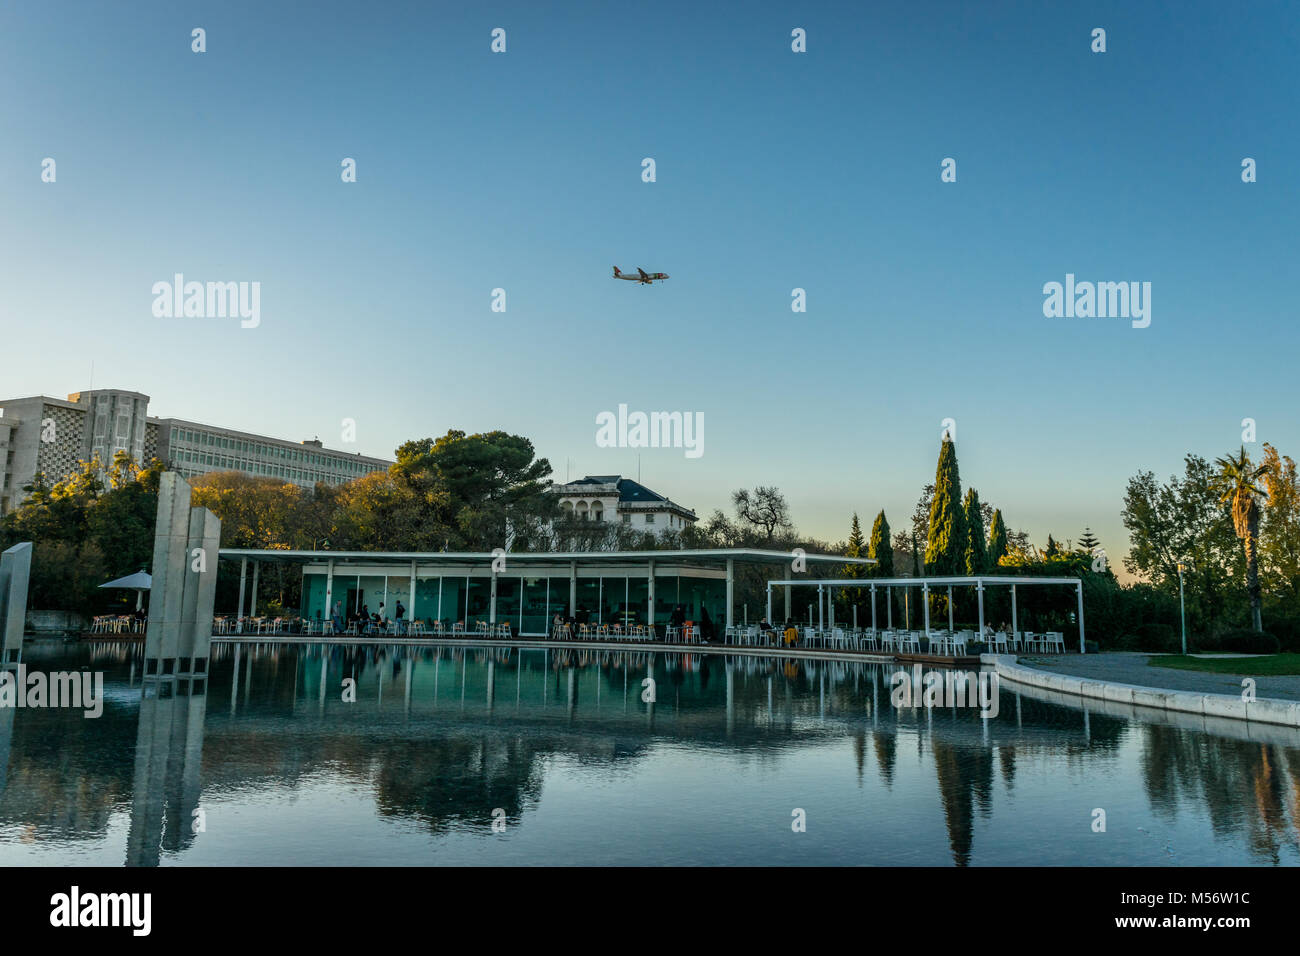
point(979, 582)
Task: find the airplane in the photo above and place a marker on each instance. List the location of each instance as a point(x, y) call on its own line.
point(645, 278)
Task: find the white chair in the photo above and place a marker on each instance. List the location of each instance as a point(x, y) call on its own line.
point(1054, 640)
point(998, 639)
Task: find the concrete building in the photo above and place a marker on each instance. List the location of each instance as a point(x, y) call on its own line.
point(613, 498)
point(53, 436)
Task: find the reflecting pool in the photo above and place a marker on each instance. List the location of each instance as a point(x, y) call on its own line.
point(520, 757)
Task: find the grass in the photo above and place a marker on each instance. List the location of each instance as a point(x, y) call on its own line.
point(1272, 665)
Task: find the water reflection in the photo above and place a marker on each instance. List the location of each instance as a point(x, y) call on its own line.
point(391, 753)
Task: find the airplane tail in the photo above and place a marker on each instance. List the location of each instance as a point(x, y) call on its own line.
point(616, 272)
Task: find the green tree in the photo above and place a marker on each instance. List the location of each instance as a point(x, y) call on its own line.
point(945, 550)
point(1053, 549)
point(976, 556)
point(1088, 541)
point(880, 547)
point(1237, 486)
point(997, 548)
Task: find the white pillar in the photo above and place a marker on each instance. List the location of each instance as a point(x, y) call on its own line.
point(253, 611)
point(650, 611)
point(573, 588)
point(410, 611)
point(769, 602)
point(243, 571)
point(820, 619)
point(1082, 649)
point(492, 602)
point(873, 608)
point(787, 602)
point(1015, 629)
point(979, 596)
point(950, 624)
point(731, 592)
point(329, 591)
point(925, 604)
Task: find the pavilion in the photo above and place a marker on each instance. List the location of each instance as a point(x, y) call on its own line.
point(525, 589)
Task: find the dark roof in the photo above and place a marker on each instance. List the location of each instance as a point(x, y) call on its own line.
point(628, 490)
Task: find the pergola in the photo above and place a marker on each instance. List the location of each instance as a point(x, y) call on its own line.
point(979, 582)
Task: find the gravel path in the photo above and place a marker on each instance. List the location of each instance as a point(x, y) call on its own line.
point(1130, 667)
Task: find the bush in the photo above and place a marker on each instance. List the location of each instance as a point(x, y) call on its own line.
point(1245, 641)
point(1158, 637)
point(1091, 647)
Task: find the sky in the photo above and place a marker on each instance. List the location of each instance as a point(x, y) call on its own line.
point(774, 170)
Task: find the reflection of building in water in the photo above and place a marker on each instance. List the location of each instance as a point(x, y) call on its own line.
point(168, 754)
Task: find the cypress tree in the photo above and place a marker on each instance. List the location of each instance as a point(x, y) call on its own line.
point(945, 551)
point(997, 540)
point(881, 548)
point(976, 557)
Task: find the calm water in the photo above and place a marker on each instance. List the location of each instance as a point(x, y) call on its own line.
point(582, 770)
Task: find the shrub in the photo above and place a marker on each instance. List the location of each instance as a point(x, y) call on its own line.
point(1245, 641)
point(1091, 647)
point(1157, 637)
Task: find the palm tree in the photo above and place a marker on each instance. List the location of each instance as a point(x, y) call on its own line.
point(1235, 485)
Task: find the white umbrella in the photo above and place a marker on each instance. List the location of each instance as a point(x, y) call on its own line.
point(139, 582)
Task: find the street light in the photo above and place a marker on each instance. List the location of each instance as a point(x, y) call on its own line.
point(1182, 608)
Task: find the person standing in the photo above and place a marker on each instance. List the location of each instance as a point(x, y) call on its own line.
point(399, 614)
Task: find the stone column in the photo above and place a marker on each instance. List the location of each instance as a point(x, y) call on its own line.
point(15, 574)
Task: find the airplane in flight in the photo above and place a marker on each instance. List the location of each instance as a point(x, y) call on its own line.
point(645, 278)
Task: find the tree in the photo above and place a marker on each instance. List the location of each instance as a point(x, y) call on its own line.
point(880, 547)
point(1279, 547)
point(945, 549)
point(997, 548)
point(1237, 486)
point(976, 557)
point(1053, 549)
point(765, 510)
point(1088, 541)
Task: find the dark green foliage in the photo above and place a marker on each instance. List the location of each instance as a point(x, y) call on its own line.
point(945, 550)
point(976, 557)
point(997, 548)
point(880, 547)
point(1245, 641)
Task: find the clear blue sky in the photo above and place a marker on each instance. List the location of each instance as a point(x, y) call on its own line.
point(775, 170)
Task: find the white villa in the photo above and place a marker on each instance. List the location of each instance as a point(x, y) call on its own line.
point(613, 498)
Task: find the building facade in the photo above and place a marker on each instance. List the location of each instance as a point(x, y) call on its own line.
point(612, 498)
point(53, 436)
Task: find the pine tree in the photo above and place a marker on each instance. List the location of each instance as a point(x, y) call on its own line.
point(945, 551)
point(997, 540)
point(976, 556)
point(1053, 549)
point(1088, 541)
point(880, 547)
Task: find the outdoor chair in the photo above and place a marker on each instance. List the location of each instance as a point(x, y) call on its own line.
point(1054, 640)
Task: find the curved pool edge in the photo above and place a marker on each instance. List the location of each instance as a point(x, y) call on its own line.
point(1266, 710)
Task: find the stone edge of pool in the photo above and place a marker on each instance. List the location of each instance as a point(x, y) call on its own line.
point(1262, 711)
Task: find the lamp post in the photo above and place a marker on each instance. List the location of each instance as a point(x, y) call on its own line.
point(1182, 607)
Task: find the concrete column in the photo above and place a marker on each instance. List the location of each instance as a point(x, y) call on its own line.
point(979, 595)
point(573, 588)
point(170, 567)
point(925, 602)
point(1014, 627)
point(651, 597)
point(820, 621)
point(769, 603)
point(243, 575)
point(410, 610)
point(329, 589)
point(873, 608)
point(950, 624)
point(787, 602)
point(252, 610)
point(196, 643)
point(731, 592)
point(15, 575)
point(1082, 647)
point(492, 602)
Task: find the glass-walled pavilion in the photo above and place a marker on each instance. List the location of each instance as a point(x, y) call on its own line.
point(527, 590)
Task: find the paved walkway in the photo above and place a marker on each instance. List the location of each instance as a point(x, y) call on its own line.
point(1130, 667)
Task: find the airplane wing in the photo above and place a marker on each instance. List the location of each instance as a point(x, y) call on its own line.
point(642, 271)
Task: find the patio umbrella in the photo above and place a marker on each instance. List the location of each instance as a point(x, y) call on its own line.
point(139, 582)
